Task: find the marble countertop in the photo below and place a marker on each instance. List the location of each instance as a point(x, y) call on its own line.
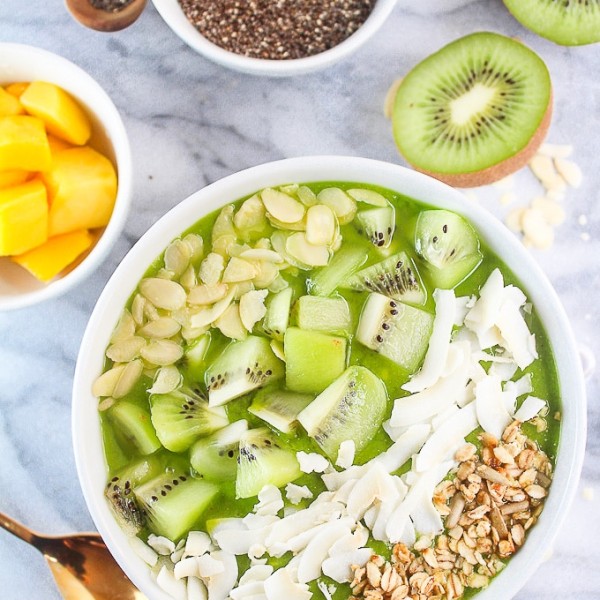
point(192, 122)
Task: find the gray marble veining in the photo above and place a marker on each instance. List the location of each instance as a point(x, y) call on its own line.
point(192, 122)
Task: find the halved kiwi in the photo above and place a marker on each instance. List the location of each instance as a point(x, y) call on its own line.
point(566, 22)
point(475, 111)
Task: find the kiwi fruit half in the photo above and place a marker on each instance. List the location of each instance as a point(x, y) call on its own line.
point(566, 22)
point(475, 111)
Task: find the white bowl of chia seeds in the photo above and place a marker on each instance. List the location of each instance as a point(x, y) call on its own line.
point(278, 39)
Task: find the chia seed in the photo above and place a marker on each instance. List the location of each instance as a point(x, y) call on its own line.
point(110, 5)
point(276, 29)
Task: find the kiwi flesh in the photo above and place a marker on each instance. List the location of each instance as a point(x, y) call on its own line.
point(182, 416)
point(242, 367)
point(566, 22)
point(279, 407)
point(263, 461)
point(330, 315)
point(135, 427)
point(395, 330)
point(215, 457)
point(344, 262)
point(448, 245)
point(396, 277)
point(276, 319)
point(173, 502)
point(378, 225)
point(351, 408)
point(475, 111)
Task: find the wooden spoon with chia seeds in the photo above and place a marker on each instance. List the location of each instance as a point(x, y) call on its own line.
point(106, 15)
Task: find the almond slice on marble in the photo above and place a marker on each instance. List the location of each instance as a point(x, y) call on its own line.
point(543, 168)
point(552, 210)
point(570, 171)
point(281, 206)
point(514, 219)
point(556, 150)
point(537, 229)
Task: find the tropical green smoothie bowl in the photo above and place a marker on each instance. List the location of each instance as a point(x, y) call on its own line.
point(328, 377)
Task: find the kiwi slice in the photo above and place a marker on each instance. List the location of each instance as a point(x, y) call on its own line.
point(397, 331)
point(475, 111)
point(279, 408)
point(182, 416)
point(173, 502)
point(120, 496)
point(331, 315)
point(449, 246)
point(313, 359)
point(242, 367)
point(396, 277)
point(378, 225)
point(277, 318)
point(344, 262)
point(134, 426)
point(215, 457)
point(351, 408)
point(566, 22)
point(263, 461)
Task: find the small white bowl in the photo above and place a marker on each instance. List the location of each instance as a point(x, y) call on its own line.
point(87, 438)
point(18, 62)
point(171, 12)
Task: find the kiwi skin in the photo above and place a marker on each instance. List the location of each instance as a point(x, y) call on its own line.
point(502, 169)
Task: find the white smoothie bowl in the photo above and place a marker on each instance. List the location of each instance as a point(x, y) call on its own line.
point(18, 62)
point(174, 17)
point(87, 438)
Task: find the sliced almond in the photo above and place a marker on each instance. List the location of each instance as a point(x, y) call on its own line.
point(188, 278)
point(211, 268)
point(556, 150)
point(553, 212)
point(514, 219)
point(129, 377)
point(137, 309)
point(262, 254)
point(238, 269)
point(251, 216)
point(279, 240)
point(281, 206)
point(301, 249)
point(223, 231)
point(340, 203)
point(508, 198)
point(206, 316)
point(306, 195)
point(207, 294)
point(125, 350)
point(390, 98)
point(125, 327)
point(166, 381)
point(177, 257)
point(543, 168)
point(162, 352)
point(279, 283)
point(537, 229)
point(105, 384)
point(150, 311)
point(570, 171)
point(367, 196)
point(242, 288)
point(267, 274)
point(163, 293)
point(161, 328)
point(320, 225)
point(252, 307)
point(230, 323)
point(296, 226)
point(196, 244)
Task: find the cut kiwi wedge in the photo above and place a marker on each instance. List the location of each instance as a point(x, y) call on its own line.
point(277, 318)
point(242, 367)
point(215, 457)
point(279, 408)
point(330, 315)
point(566, 22)
point(263, 461)
point(395, 330)
point(135, 427)
point(396, 277)
point(377, 224)
point(173, 502)
point(351, 408)
point(475, 111)
point(182, 416)
point(344, 262)
point(448, 245)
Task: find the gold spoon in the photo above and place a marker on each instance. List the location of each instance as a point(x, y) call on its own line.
point(105, 20)
point(81, 564)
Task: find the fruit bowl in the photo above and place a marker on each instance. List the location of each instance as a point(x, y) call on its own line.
point(87, 436)
point(26, 63)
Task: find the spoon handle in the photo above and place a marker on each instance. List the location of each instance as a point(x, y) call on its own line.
point(19, 530)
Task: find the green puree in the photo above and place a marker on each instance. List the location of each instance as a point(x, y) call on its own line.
point(543, 371)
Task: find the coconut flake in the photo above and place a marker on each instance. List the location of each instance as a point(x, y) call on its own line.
point(167, 582)
point(161, 544)
point(492, 412)
point(482, 317)
point(220, 585)
point(518, 340)
point(196, 590)
point(281, 585)
point(346, 453)
point(188, 567)
point(197, 543)
point(147, 554)
point(339, 566)
point(270, 501)
point(520, 387)
point(312, 462)
point(503, 370)
point(375, 485)
point(530, 408)
point(437, 352)
point(296, 493)
point(256, 573)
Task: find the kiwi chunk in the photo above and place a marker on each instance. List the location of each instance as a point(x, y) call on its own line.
point(331, 315)
point(263, 461)
point(215, 457)
point(378, 225)
point(173, 502)
point(242, 367)
point(396, 277)
point(279, 408)
point(566, 22)
point(397, 331)
point(194, 362)
point(182, 416)
point(134, 425)
point(277, 318)
point(449, 246)
point(351, 408)
point(474, 111)
point(313, 359)
point(120, 495)
point(342, 265)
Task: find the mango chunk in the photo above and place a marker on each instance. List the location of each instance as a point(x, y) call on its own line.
point(23, 217)
point(82, 188)
point(62, 115)
point(9, 105)
point(23, 144)
point(13, 177)
point(56, 144)
point(46, 261)
point(16, 89)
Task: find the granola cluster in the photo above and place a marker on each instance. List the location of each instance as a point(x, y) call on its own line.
point(490, 501)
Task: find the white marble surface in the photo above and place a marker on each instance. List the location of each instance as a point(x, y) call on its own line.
point(192, 122)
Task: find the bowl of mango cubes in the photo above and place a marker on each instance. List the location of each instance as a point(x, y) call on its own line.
point(65, 175)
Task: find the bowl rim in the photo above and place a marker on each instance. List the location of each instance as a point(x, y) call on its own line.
point(74, 80)
point(173, 15)
point(85, 417)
